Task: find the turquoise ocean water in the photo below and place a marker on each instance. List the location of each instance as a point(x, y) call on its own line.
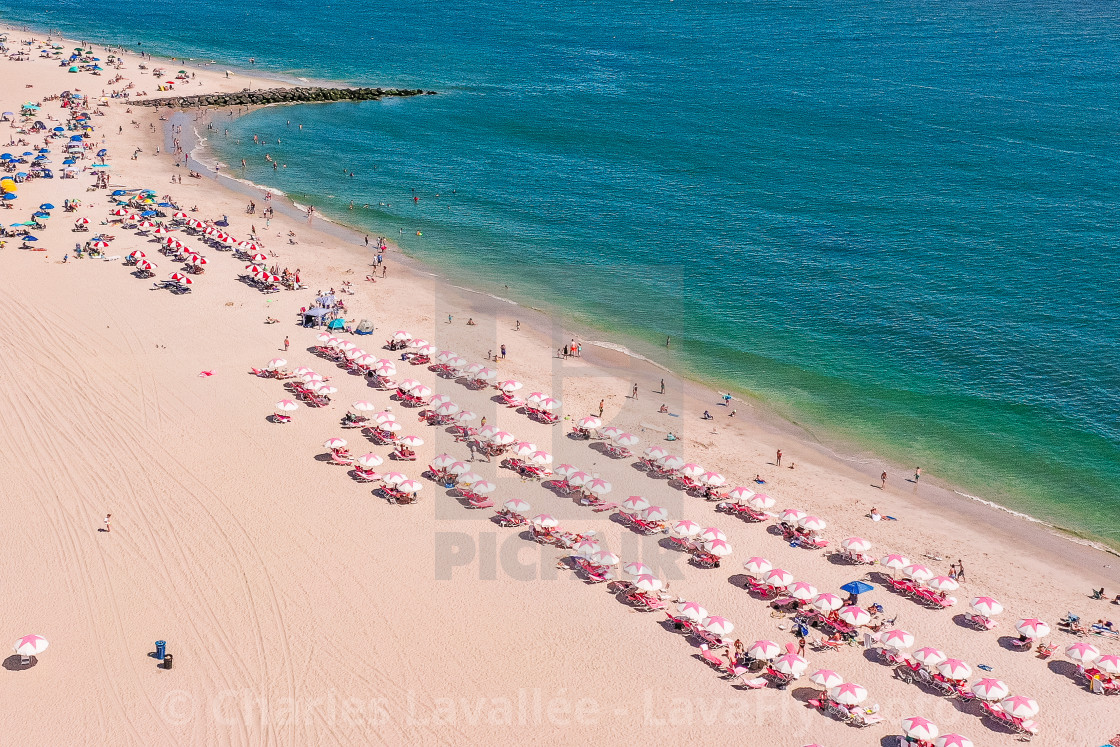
point(894, 222)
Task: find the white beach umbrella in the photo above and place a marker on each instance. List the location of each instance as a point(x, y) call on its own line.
point(384, 417)
point(1032, 627)
point(656, 513)
point(930, 656)
point(410, 486)
point(646, 582)
point(756, 566)
point(855, 544)
point(792, 664)
point(326, 389)
point(812, 523)
point(897, 639)
point(848, 694)
point(586, 548)
point(671, 462)
point(793, 515)
point(1083, 652)
point(740, 493)
point(523, 448)
point(609, 432)
point(920, 728)
point(369, 461)
point(718, 625)
point(691, 469)
point(827, 602)
point(626, 439)
point(589, 422)
point(1020, 706)
point(30, 645)
point(287, 405)
point(761, 501)
point(826, 678)
point(334, 443)
point(692, 611)
point(483, 487)
point(510, 385)
point(955, 669)
point(579, 478)
point(686, 528)
point(654, 452)
point(764, 650)
point(635, 503)
point(597, 486)
point(363, 405)
point(990, 689)
point(446, 409)
point(986, 606)
point(1108, 663)
point(778, 577)
point(942, 583)
point(394, 478)
point(894, 561)
point(540, 457)
point(412, 441)
point(605, 558)
point(712, 533)
point(953, 740)
point(854, 615)
point(637, 569)
point(918, 572)
point(713, 479)
point(545, 520)
point(566, 470)
point(719, 548)
point(517, 505)
point(801, 590)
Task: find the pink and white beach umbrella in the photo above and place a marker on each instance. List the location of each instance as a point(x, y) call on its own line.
point(792, 664)
point(647, 582)
point(548, 403)
point(855, 544)
point(943, 583)
point(691, 470)
point(384, 417)
point(764, 650)
point(986, 606)
point(654, 452)
point(609, 432)
point(920, 728)
point(483, 487)
point(473, 368)
point(756, 566)
point(545, 520)
point(719, 548)
point(635, 503)
point(955, 669)
point(439, 399)
point(639, 569)
point(812, 523)
point(326, 389)
point(713, 479)
point(778, 577)
point(487, 374)
point(686, 528)
point(423, 391)
point(362, 405)
point(918, 572)
point(307, 378)
point(370, 461)
point(410, 486)
point(626, 439)
point(1083, 652)
point(692, 611)
point(953, 740)
point(334, 443)
point(587, 548)
point(854, 615)
point(1109, 663)
point(597, 486)
point(897, 639)
point(580, 478)
point(990, 689)
point(501, 438)
point(826, 678)
point(671, 462)
point(589, 422)
point(465, 417)
point(1032, 627)
point(802, 590)
point(402, 336)
point(412, 441)
point(712, 533)
point(827, 602)
point(848, 694)
point(287, 405)
point(793, 515)
point(276, 363)
point(446, 409)
point(718, 625)
point(509, 385)
point(366, 361)
point(1020, 706)
point(393, 478)
point(384, 369)
point(930, 656)
point(739, 493)
point(894, 561)
point(469, 478)
point(523, 448)
point(566, 470)
point(31, 645)
point(517, 505)
point(761, 501)
point(605, 558)
point(656, 513)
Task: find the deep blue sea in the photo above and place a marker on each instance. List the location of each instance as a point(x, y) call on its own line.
point(895, 221)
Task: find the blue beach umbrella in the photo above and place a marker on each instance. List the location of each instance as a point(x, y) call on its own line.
point(77, 138)
point(6, 156)
point(46, 206)
point(102, 152)
point(119, 192)
point(147, 213)
point(28, 153)
point(10, 196)
point(41, 215)
point(68, 162)
point(856, 588)
point(59, 129)
point(30, 238)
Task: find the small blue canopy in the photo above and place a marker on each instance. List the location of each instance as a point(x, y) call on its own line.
point(857, 587)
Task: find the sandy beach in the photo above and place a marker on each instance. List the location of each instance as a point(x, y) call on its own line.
point(302, 607)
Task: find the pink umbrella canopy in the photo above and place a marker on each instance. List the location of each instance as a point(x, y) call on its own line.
point(955, 669)
point(897, 638)
point(686, 528)
point(566, 470)
point(793, 515)
point(648, 582)
point(719, 548)
point(641, 569)
point(369, 461)
point(605, 558)
point(1020, 706)
point(986, 606)
point(692, 611)
point(712, 533)
point(848, 694)
point(953, 740)
point(827, 602)
point(598, 486)
point(761, 501)
point(656, 513)
point(1083, 652)
point(943, 583)
point(545, 520)
point(653, 452)
point(1032, 627)
point(990, 689)
point(791, 664)
point(918, 572)
point(287, 405)
point(718, 625)
point(764, 650)
point(590, 422)
point(31, 645)
point(517, 505)
point(812, 523)
point(756, 566)
point(409, 486)
point(623, 439)
point(855, 544)
point(920, 728)
point(930, 656)
point(854, 615)
point(778, 577)
point(1109, 663)
point(895, 561)
point(670, 462)
point(826, 678)
point(802, 590)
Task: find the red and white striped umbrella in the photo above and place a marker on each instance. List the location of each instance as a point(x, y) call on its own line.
point(897, 638)
point(848, 694)
point(778, 577)
point(955, 669)
point(181, 279)
point(930, 656)
point(161, 231)
point(854, 615)
point(1083, 652)
point(258, 258)
point(1032, 627)
point(370, 461)
point(920, 728)
point(517, 505)
point(826, 678)
point(719, 548)
point(137, 254)
point(990, 689)
point(986, 606)
point(764, 650)
point(144, 265)
point(146, 225)
point(99, 244)
point(827, 602)
point(179, 215)
point(691, 610)
point(1020, 706)
point(802, 590)
point(31, 645)
point(119, 212)
point(82, 222)
point(718, 625)
point(792, 664)
point(686, 528)
point(756, 566)
point(855, 544)
point(634, 503)
point(287, 405)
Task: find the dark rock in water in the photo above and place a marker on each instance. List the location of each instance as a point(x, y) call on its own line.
point(264, 97)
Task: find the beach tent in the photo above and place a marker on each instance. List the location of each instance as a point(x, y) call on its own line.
point(337, 324)
point(314, 317)
point(365, 327)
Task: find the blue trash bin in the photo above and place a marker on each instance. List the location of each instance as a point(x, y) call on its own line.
point(161, 649)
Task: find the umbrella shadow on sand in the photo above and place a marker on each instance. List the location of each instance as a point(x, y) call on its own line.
point(14, 663)
point(1063, 668)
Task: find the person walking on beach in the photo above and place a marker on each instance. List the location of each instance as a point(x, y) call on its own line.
point(108, 522)
point(503, 352)
point(286, 343)
point(601, 408)
point(779, 457)
point(635, 395)
point(667, 341)
point(960, 570)
point(917, 474)
point(663, 386)
point(883, 481)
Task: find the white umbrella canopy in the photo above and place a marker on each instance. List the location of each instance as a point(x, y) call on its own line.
point(718, 625)
point(826, 678)
point(637, 569)
point(443, 461)
point(517, 505)
point(692, 611)
point(894, 561)
point(740, 493)
point(756, 566)
point(918, 572)
point(369, 461)
point(605, 558)
point(635, 503)
point(1083, 652)
point(31, 645)
point(920, 728)
point(897, 638)
point(586, 548)
point(590, 422)
point(986, 606)
point(955, 669)
point(287, 405)
point(656, 513)
point(719, 548)
point(793, 664)
point(801, 590)
point(930, 656)
point(855, 544)
point(827, 602)
point(990, 689)
point(764, 650)
point(1032, 627)
point(943, 583)
point(953, 740)
point(545, 520)
point(848, 693)
point(410, 486)
point(854, 615)
point(334, 443)
point(778, 577)
point(363, 406)
point(686, 528)
point(1020, 706)
point(646, 582)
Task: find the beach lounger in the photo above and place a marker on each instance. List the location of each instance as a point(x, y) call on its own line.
point(480, 503)
point(682, 543)
point(981, 622)
point(812, 543)
point(1045, 650)
point(712, 659)
point(507, 518)
point(682, 624)
point(365, 475)
point(705, 560)
point(280, 418)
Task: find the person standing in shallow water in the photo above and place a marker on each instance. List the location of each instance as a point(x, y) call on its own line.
point(917, 474)
point(883, 481)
